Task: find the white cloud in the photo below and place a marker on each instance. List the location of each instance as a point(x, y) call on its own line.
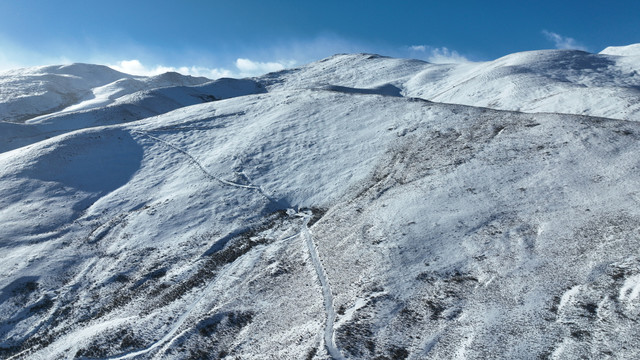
point(211, 73)
point(563, 42)
point(135, 67)
point(244, 68)
point(445, 56)
point(251, 68)
point(441, 55)
point(135, 59)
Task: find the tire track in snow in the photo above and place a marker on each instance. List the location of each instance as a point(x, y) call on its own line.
point(329, 340)
point(202, 168)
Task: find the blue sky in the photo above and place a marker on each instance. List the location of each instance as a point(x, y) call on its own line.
point(246, 37)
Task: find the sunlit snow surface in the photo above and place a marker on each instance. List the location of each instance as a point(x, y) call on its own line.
point(325, 211)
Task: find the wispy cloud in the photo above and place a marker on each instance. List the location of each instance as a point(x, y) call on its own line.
point(250, 61)
point(243, 68)
point(436, 55)
point(135, 67)
point(251, 68)
point(13, 55)
point(563, 42)
point(302, 51)
point(137, 59)
point(243, 61)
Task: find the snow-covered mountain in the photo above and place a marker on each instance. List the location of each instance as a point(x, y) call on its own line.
point(559, 81)
point(629, 50)
point(29, 92)
point(126, 99)
point(358, 207)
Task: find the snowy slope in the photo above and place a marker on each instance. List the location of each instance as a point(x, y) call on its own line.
point(29, 92)
point(26, 94)
point(123, 101)
point(328, 217)
point(629, 50)
point(560, 81)
point(145, 103)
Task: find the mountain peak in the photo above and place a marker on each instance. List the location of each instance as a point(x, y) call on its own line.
point(174, 78)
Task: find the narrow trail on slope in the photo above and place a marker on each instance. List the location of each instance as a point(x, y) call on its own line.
point(329, 341)
point(305, 233)
point(169, 336)
point(202, 168)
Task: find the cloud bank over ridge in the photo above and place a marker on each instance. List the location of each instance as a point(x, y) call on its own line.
point(136, 59)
